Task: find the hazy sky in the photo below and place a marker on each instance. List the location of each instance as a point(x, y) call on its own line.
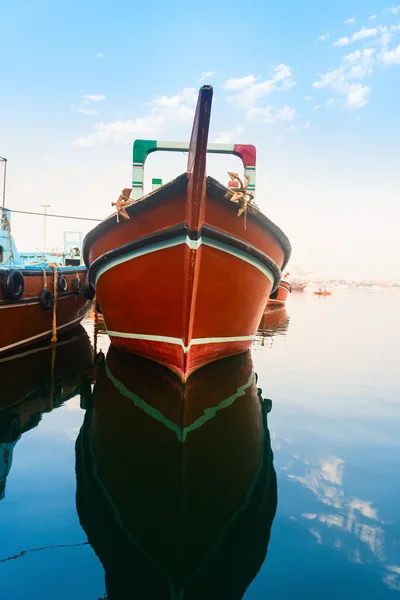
point(315, 86)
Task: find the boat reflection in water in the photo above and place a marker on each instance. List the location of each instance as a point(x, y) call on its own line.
point(36, 381)
point(275, 321)
point(176, 488)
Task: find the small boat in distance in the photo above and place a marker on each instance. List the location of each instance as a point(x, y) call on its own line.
point(323, 293)
point(35, 301)
point(184, 273)
point(298, 286)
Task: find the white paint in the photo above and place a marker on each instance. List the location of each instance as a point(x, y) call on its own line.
point(164, 339)
point(193, 245)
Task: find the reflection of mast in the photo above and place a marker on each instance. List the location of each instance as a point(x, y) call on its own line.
point(142, 426)
point(6, 455)
point(45, 207)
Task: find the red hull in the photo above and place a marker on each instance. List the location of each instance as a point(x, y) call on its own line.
point(25, 322)
point(185, 281)
point(280, 295)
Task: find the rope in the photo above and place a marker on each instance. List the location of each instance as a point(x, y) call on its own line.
point(37, 214)
point(240, 195)
point(24, 552)
point(52, 372)
point(44, 278)
point(122, 202)
point(54, 323)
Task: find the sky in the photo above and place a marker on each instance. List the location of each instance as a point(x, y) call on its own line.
point(315, 86)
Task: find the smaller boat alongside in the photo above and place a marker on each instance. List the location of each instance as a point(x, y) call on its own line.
point(322, 293)
point(36, 302)
point(279, 296)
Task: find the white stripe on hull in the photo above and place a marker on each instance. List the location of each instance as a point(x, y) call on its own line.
point(193, 245)
point(44, 334)
point(177, 341)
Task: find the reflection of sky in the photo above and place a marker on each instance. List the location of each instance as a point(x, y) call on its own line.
point(38, 511)
point(335, 428)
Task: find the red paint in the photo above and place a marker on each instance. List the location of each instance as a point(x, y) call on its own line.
point(21, 320)
point(247, 153)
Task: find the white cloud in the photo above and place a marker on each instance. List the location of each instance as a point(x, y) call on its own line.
point(162, 113)
point(307, 98)
point(239, 83)
point(228, 137)
point(355, 66)
point(268, 115)
point(324, 37)
point(247, 90)
point(391, 57)
point(206, 75)
point(362, 34)
point(330, 102)
point(99, 55)
point(94, 97)
point(87, 111)
point(86, 108)
point(316, 107)
point(343, 41)
point(372, 17)
point(351, 20)
point(307, 125)
point(357, 95)
point(394, 10)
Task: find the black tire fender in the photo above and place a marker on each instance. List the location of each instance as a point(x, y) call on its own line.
point(13, 285)
point(77, 286)
point(45, 299)
point(88, 289)
point(62, 283)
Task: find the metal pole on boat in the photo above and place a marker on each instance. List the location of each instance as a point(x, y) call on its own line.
point(4, 160)
point(45, 206)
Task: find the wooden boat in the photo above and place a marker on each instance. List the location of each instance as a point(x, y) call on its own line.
point(279, 296)
point(298, 286)
point(27, 300)
point(35, 382)
point(173, 506)
point(323, 293)
point(183, 274)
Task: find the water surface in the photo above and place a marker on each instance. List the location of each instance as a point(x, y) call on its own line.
point(284, 485)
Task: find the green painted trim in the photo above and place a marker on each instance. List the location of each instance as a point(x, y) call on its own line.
point(141, 149)
point(156, 181)
point(181, 434)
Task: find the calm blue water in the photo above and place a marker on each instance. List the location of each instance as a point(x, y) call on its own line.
point(233, 497)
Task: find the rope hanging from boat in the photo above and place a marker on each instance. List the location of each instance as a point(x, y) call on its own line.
point(240, 195)
point(44, 278)
point(122, 202)
point(54, 323)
